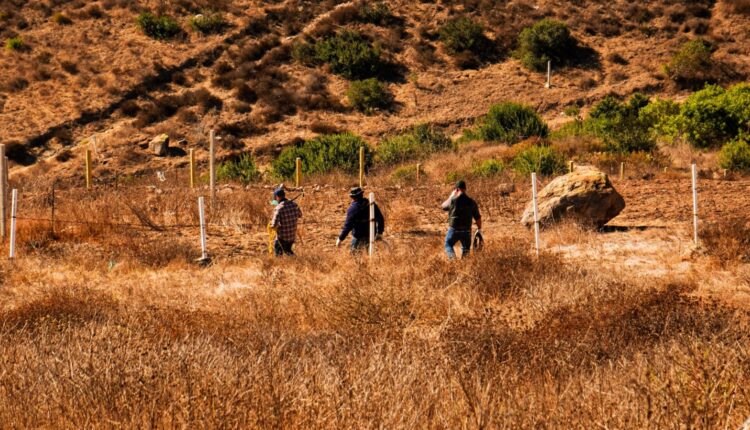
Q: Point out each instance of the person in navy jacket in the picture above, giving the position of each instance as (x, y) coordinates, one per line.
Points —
(358, 221)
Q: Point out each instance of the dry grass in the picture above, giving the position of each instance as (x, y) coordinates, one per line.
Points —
(502, 340)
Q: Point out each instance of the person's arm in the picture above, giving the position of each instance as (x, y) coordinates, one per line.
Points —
(349, 223)
(379, 220)
(275, 218)
(477, 216)
(447, 204)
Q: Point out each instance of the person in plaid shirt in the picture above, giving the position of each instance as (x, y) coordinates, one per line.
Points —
(285, 218)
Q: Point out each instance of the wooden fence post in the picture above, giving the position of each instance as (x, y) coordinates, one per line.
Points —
(88, 169)
(419, 171)
(202, 216)
(13, 211)
(3, 195)
(536, 212)
(695, 202)
(371, 251)
(192, 169)
(622, 170)
(549, 75)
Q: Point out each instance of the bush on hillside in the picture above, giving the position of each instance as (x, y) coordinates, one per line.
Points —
(713, 116)
(243, 169)
(323, 154)
(368, 95)
(420, 142)
(542, 159)
(509, 123)
(547, 40)
(61, 19)
(735, 155)
(375, 13)
(462, 35)
(349, 55)
(208, 23)
(405, 174)
(15, 44)
(158, 27)
(692, 64)
(488, 168)
(621, 126)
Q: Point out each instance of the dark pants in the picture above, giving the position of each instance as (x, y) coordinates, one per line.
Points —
(454, 237)
(359, 245)
(282, 247)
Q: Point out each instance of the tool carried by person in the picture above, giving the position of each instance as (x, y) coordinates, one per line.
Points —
(478, 241)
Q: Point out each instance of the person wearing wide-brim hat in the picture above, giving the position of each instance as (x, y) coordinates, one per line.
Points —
(285, 218)
(462, 210)
(358, 221)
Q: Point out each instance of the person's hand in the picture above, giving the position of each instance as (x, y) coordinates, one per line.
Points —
(338, 242)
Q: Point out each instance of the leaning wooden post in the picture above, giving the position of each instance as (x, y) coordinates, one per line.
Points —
(419, 171)
(536, 212)
(88, 169)
(3, 195)
(202, 216)
(622, 171)
(695, 202)
(571, 166)
(549, 75)
(192, 169)
(13, 210)
(371, 250)
(212, 167)
(361, 166)
(298, 172)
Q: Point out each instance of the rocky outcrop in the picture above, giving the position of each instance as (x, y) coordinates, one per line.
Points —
(160, 145)
(585, 195)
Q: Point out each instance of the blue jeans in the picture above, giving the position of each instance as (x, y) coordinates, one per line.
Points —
(454, 237)
(359, 245)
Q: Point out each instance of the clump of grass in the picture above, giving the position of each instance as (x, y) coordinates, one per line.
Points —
(243, 169)
(323, 154)
(15, 44)
(158, 27)
(60, 18)
(208, 23)
(418, 143)
(542, 159)
(508, 123)
(368, 95)
(488, 168)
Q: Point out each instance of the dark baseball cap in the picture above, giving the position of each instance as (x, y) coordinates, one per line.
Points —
(461, 185)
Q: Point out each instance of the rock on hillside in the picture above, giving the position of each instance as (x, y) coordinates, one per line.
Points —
(585, 195)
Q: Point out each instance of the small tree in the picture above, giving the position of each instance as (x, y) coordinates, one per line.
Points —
(509, 123)
(735, 155)
(368, 95)
(547, 40)
(349, 55)
(462, 35)
(692, 64)
(621, 125)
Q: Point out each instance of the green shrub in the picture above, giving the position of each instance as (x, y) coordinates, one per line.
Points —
(15, 44)
(621, 126)
(208, 23)
(510, 123)
(543, 160)
(323, 154)
(243, 169)
(713, 116)
(547, 40)
(405, 174)
(61, 19)
(420, 142)
(377, 13)
(692, 63)
(368, 95)
(304, 53)
(462, 35)
(735, 155)
(349, 55)
(158, 27)
(488, 168)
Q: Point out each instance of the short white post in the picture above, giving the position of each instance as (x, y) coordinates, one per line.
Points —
(202, 215)
(372, 224)
(3, 195)
(13, 210)
(695, 203)
(549, 75)
(212, 167)
(536, 212)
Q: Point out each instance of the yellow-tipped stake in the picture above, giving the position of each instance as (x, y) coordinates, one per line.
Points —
(298, 173)
(419, 169)
(88, 169)
(622, 170)
(361, 166)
